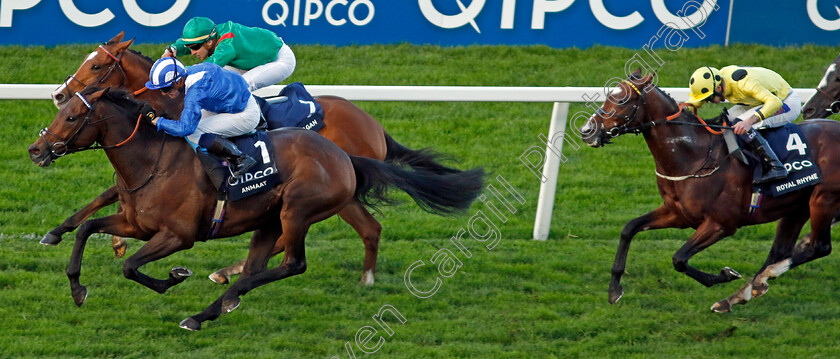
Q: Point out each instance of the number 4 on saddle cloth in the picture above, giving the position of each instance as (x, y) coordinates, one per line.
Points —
(788, 143)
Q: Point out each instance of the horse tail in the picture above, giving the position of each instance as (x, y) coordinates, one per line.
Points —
(436, 193)
(424, 159)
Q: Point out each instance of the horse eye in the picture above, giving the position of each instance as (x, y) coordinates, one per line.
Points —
(96, 67)
(71, 119)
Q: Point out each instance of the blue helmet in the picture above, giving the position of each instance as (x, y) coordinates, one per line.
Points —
(165, 72)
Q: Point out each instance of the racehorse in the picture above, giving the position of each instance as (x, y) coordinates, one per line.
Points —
(705, 189)
(170, 199)
(346, 125)
(825, 100)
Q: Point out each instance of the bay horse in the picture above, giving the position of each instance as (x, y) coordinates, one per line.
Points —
(346, 125)
(825, 101)
(705, 189)
(170, 201)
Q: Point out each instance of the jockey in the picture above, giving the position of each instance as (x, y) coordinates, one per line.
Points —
(763, 100)
(217, 105)
(258, 54)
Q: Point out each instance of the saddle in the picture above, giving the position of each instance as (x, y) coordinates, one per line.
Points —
(292, 107)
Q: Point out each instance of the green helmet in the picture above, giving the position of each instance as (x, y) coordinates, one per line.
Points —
(198, 30)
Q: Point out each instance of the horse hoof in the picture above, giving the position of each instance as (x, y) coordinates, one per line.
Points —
(759, 289)
(180, 273)
(367, 279)
(50, 240)
(220, 278)
(119, 245)
(80, 295)
(229, 305)
(721, 307)
(616, 295)
(730, 274)
(190, 324)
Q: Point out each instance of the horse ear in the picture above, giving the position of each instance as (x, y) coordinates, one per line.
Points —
(96, 95)
(117, 38)
(122, 46)
(649, 77)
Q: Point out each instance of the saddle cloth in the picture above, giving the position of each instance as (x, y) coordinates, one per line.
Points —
(788, 143)
(262, 176)
(292, 107)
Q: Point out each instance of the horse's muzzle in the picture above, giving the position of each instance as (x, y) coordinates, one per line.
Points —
(40, 156)
(593, 134)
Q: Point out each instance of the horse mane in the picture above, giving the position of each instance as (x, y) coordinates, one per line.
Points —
(138, 53)
(120, 97)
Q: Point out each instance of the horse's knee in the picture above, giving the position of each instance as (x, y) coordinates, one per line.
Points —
(298, 267)
(680, 263)
(129, 270)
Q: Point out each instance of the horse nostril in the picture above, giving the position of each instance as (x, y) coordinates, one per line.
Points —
(59, 96)
(34, 151)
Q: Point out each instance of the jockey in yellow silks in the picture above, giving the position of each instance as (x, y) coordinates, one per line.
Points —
(762, 98)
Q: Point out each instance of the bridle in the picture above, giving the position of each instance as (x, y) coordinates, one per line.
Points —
(117, 64)
(642, 126)
(628, 119)
(63, 146)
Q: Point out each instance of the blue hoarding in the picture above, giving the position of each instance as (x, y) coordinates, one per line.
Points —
(556, 23)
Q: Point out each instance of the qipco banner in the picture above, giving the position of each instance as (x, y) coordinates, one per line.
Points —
(556, 23)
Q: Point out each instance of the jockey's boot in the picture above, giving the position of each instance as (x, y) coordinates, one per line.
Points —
(773, 168)
(223, 147)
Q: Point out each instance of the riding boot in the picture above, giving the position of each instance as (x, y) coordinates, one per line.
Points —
(773, 168)
(223, 147)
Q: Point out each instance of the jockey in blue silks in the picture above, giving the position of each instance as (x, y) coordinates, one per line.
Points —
(217, 105)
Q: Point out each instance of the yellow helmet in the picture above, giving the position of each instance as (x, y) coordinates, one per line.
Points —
(703, 83)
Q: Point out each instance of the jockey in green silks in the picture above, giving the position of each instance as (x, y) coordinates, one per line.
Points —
(259, 55)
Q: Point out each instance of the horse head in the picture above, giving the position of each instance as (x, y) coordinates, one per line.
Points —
(83, 121)
(825, 101)
(97, 69)
(624, 111)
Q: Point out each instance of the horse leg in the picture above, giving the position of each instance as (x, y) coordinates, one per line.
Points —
(708, 233)
(370, 230)
(358, 217)
(656, 219)
(162, 244)
(222, 276)
(106, 198)
(115, 224)
(294, 263)
(787, 231)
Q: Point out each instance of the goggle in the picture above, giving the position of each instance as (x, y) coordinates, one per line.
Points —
(196, 46)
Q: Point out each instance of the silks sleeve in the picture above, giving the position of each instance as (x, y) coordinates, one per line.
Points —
(189, 117)
(772, 103)
(225, 52)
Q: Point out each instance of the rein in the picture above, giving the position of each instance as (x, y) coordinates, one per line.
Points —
(615, 131)
(151, 175)
(65, 143)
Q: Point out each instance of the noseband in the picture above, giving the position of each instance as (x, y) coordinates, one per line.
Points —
(61, 147)
(116, 64)
(628, 119)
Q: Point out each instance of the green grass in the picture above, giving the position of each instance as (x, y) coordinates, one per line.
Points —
(523, 299)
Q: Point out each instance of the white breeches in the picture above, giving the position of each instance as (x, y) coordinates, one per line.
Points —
(228, 124)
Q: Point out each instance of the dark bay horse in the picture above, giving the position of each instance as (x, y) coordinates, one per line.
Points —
(704, 189)
(825, 100)
(347, 125)
(171, 199)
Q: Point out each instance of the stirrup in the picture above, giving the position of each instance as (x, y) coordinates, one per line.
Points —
(774, 173)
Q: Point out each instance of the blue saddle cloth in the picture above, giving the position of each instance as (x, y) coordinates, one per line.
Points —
(788, 143)
(263, 176)
(299, 109)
